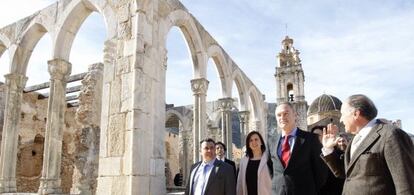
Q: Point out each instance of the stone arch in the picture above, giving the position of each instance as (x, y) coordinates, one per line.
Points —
(171, 112)
(184, 21)
(241, 88)
(25, 48)
(184, 160)
(289, 90)
(256, 110)
(216, 53)
(72, 19)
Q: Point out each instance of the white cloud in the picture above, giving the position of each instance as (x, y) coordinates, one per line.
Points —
(11, 11)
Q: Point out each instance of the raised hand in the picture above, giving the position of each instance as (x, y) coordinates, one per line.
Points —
(329, 136)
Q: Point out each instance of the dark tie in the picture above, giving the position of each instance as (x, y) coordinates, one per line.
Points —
(285, 151)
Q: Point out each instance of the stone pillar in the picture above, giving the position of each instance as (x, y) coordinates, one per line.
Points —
(244, 126)
(185, 162)
(50, 181)
(256, 126)
(199, 88)
(225, 105)
(14, 92)
(87, 138)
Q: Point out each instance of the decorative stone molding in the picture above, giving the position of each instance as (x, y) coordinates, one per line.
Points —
(225, 104)
(199, 86)
(59, 69)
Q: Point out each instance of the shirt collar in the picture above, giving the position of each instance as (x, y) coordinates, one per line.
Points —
(222, 159)
(292, 133)
(211, 162)
(367, 128)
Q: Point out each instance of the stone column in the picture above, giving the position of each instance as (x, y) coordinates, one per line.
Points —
(256, 126)
(199, 88)
(244, 126)
(14, 92)
(225, 105)
(185, 163)
(50, 181)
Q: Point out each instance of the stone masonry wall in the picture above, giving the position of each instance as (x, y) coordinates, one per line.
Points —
(31, 139)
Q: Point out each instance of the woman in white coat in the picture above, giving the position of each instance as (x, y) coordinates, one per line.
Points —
(256, 169)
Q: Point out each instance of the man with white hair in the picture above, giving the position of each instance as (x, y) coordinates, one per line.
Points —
(378, 161)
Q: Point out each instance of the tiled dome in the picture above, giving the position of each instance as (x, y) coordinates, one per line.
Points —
(324, 103)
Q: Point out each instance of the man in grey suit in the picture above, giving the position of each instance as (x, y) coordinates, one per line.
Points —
(380, 158)
(210, 176)
(297, 167)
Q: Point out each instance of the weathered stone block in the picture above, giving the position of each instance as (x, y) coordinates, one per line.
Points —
(123, 65)
(116, 135)
(126, 94)
(115, 101)
(110, 166)
(119, 186)
(124, 30)
(129, 47)
(104, 184)
(141, 150)
(140, 185)
(123, 13)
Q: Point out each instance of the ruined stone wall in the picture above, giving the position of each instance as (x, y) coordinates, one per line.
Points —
(2, 105)
(172, 163)
(31, 139)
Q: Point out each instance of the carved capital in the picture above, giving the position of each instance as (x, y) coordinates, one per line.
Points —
(199, 86)
(15, 82)
(225, 104)
(59, 69)
(244, 116)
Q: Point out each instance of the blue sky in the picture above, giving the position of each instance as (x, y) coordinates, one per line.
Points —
(347, 47)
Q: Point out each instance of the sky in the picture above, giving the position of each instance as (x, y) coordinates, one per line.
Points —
(347, 47)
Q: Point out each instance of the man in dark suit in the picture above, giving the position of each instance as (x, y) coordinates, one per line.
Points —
(221, 155)
(297, 166)
(379, 160)
(210, 176)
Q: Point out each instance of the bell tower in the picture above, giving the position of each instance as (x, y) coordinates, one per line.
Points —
(290, 81)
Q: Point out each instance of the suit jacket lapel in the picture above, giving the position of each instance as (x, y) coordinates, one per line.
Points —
(274, 151)
(347, 154)
(192, 176)
(299, 140)
(213, 174)
(368, 141)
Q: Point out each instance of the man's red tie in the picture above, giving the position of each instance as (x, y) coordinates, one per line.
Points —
(285, 151)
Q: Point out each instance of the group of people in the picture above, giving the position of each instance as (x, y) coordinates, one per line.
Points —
(378, 160)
